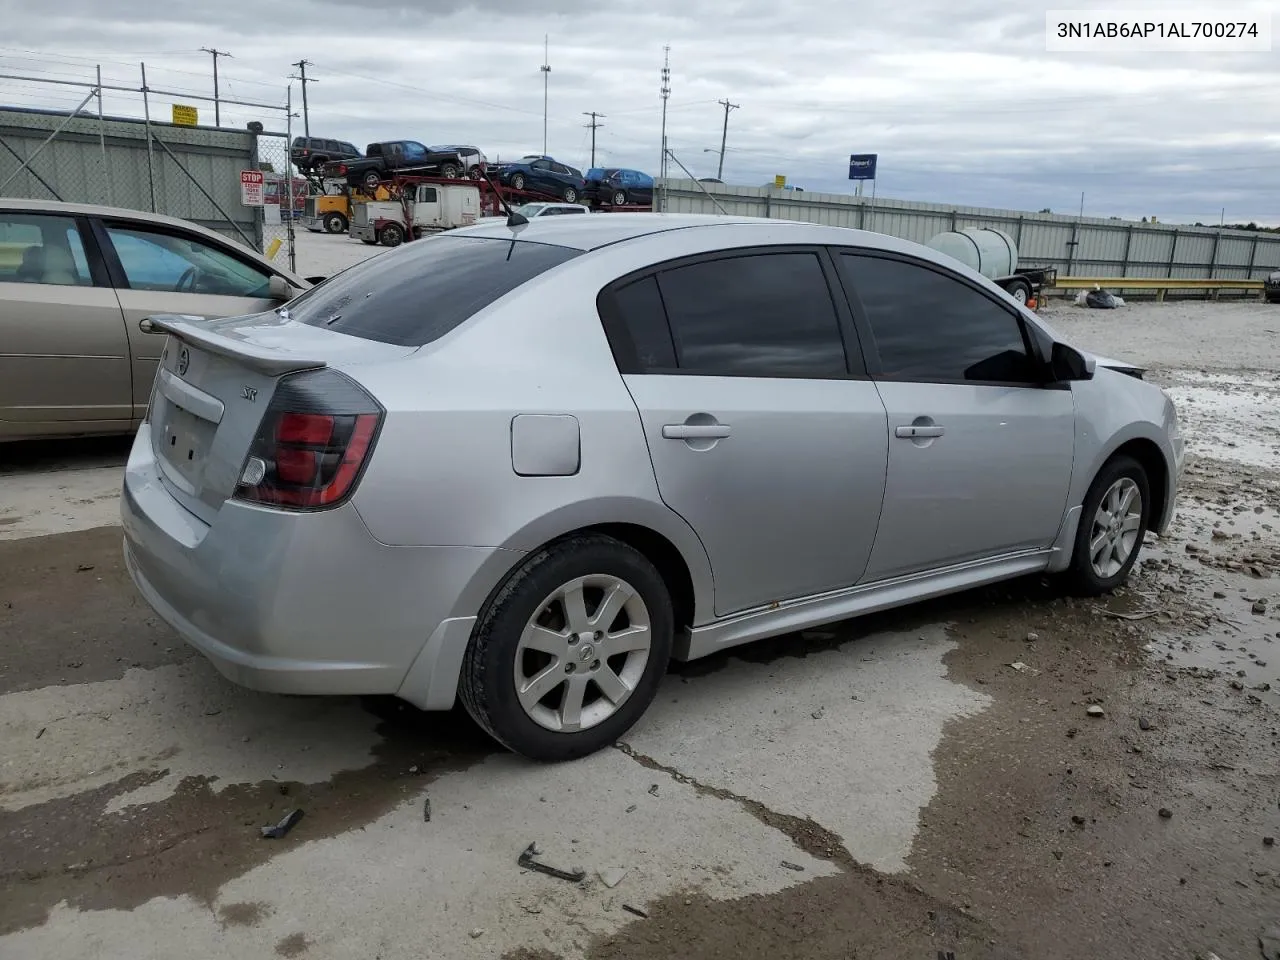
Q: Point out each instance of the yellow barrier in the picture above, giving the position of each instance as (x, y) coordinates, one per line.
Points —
(1158, 284)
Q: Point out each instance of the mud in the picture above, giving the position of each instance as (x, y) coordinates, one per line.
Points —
(69, 613)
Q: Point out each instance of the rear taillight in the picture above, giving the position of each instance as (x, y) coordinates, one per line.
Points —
(313, 444)
(342, 169)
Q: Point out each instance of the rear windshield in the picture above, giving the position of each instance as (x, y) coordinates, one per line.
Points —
(418, 293)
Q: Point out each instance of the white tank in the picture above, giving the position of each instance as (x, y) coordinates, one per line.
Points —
(991, 252)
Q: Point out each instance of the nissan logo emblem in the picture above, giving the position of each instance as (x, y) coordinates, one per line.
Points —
(184, 361)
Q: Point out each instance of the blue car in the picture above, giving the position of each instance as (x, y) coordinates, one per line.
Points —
(544, 175)
(618, 186)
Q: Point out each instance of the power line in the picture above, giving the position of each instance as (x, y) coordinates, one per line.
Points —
(217, 108)
(724, 134)
(306, 116)
(593, 126)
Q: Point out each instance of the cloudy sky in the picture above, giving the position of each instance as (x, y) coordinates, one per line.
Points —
(958, 97)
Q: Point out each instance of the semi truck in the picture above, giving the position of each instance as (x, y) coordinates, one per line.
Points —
(429, 208)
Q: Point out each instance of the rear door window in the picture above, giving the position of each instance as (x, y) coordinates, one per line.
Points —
(422, 291)
(761, 315)
(42, 249)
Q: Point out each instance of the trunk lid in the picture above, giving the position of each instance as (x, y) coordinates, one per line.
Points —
(214, 385)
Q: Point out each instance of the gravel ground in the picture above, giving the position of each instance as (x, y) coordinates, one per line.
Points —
(910, 785)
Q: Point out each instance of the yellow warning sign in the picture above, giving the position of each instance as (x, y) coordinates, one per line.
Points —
(185, 116)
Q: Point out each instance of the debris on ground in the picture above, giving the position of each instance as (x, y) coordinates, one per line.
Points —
(477, 933)
(1268, 841)
(818, 714)
(526, 861)
(41, 733)
(281, 829)
(1072, 731)
(1023, 668)
(793, 866)
(1166, 813)
(653, 790)
(611, 876)
(1095, 711)
(631, 809)
(1259, 607)
(84, 568)
(636, 910)
(1144, 723)
(426, 810)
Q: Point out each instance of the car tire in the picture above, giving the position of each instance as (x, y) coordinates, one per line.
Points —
(517, 181)
(370, 181)
(1020, 290)
(528, 613)
(1105, 551)
(450, 171)
(335, 223)
(619, 198)
(570, 194)
(392, 235)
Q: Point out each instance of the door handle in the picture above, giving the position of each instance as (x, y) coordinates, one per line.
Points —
(695, 431)
(918, 433)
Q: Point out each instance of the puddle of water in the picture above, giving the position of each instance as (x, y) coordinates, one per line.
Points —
(1229, 418)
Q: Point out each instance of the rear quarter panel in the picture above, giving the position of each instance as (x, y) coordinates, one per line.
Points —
(442, 471)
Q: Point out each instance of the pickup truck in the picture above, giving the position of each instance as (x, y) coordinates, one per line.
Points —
(383, 160)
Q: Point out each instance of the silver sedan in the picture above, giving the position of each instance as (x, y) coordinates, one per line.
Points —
(529, 466)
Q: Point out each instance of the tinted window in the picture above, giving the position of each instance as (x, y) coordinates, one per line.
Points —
(638, 306)
(763, 315)
(40, 249)
(419, 292)
(928, 326)
(414, 151)
(176, 263)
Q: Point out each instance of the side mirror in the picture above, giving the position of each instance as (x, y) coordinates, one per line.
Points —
(278, 288)
(1068, 363)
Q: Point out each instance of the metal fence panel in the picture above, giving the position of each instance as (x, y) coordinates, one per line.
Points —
(1084, 245)
(188, 172)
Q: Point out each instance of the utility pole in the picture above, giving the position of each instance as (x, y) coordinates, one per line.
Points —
(665, 90)
(724, 134)
(593, 126)
(302, 75)
(217, 109)
(546, 76)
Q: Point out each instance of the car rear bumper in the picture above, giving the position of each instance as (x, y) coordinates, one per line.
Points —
(299, 603)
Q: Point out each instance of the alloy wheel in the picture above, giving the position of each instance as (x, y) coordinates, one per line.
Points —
(583, 653)
(1117, 528)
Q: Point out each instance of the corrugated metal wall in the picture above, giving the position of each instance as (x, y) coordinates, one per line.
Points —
(1077, 247)
(79, 170)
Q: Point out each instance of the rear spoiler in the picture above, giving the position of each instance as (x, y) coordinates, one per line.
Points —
(194, 330)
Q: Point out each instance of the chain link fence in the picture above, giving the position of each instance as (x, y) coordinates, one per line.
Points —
(135, 160)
